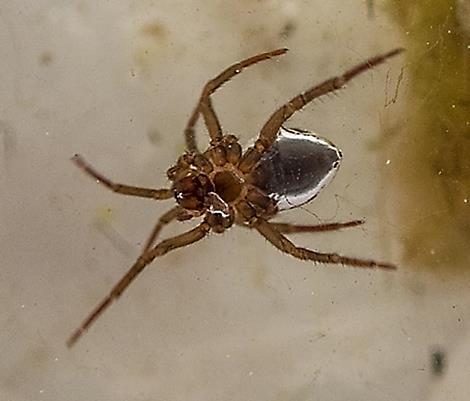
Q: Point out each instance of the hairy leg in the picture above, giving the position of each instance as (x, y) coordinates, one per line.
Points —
(145, 259)
(270, 129)
(204, 104)
(163, 220)
(175, 213)
(281, 242)
(158, 194)
(287, 228)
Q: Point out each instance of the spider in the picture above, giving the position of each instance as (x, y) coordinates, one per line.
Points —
(227, 185)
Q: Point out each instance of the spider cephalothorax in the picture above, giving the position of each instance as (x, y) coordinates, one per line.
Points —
(225, 185)
(216, 182)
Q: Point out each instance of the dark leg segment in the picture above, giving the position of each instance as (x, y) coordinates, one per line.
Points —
(282, 243)
(162, 248)
(269, 131)
(205, 107)
(286, 228)
(158, 194)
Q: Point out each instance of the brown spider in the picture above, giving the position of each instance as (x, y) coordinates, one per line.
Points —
(226, 185)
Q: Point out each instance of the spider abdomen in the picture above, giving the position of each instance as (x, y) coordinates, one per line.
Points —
(296, 167)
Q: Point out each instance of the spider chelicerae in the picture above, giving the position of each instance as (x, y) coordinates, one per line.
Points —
(226, 185)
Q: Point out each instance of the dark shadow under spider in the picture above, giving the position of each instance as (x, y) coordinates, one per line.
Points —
(218, 186)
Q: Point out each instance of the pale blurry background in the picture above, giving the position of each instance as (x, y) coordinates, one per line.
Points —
(229, 318)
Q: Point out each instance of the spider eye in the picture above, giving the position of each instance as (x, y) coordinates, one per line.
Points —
(190, 192)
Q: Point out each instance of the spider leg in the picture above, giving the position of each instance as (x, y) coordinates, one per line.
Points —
(187, 238)
(204, 104)
(270, 129)
(158, 194)
(176, 212)
(287, 228)
(276, 238)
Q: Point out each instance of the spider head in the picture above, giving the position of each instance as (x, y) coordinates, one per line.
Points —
(196, 192)
(191, 182)
(191, 191)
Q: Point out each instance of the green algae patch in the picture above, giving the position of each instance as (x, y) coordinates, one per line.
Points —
(433, 148)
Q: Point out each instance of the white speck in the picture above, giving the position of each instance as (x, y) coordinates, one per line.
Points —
(388, 162)
(56, 359)
(23, 306)
(453, 106)
(250, 373)
(427, 43)
(449, 31)
(41, 391)
(227, 356)
(237, 71)
(313, 293)
(465, 200)
(432, 252)
(407, 32)
(439, 172)
(46, 133)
